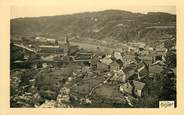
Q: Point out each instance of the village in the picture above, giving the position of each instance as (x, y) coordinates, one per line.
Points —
(48, 73)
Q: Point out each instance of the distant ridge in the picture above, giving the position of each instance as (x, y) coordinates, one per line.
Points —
(118, 25)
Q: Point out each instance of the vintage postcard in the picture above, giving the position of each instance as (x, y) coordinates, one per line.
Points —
(95, 57)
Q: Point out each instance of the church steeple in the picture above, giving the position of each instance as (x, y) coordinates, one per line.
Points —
(67, 45)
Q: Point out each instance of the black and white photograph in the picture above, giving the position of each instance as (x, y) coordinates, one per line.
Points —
(110, 57)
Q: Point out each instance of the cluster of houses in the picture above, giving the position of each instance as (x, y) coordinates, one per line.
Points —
(127, 67)
(123, 71)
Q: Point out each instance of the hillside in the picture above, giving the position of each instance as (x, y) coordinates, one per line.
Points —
(103, 25)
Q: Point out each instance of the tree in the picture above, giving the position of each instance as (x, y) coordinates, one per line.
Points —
(168, 90)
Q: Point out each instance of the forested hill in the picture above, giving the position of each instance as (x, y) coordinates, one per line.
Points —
(109, 24)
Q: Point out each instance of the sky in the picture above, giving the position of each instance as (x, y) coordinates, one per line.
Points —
(37, 10)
